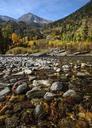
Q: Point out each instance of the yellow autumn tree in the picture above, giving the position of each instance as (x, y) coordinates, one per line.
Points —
(15, 38)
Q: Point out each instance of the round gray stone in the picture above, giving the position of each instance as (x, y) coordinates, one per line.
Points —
(22, 88)
(57, 86)
(70, 93)
(49, 96)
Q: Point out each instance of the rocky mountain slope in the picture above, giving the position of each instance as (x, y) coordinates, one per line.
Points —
(30, 18)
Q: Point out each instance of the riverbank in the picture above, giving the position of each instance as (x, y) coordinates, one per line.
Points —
(45, 92)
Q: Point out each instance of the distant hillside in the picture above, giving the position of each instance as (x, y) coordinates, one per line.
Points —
(77, 26)
(6, 18)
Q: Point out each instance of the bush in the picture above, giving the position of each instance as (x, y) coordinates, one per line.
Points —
(55, 43)
(21, 50)
(71, 46)
(17, 50)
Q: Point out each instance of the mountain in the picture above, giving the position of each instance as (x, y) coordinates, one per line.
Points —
(27, 25)
(77, 26)
(6, 18)
(32, 19)
(29, 19)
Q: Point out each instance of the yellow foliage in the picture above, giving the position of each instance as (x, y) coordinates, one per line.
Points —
(72, 46)
(84, 45)
(15, 38)
(85, 115)
(55, 43)
(31, 43)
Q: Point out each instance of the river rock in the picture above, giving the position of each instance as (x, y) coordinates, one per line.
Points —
(83, 65)
(31, 78)
(36, 83)
(49, 96)
(2, 85)
(70, 93)
(40, 113)
(77, 67)
(4, 91)
(2, 98)
(19, 73)
(28, 71)
(46, 83)
(13, 80)
(57, 86)
(66, 68)
(35, 89)
(21, 88)
(82, 74)
(35, 94)
(38, 110)
(57, 69)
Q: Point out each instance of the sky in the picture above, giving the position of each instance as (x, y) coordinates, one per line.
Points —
(48, 9)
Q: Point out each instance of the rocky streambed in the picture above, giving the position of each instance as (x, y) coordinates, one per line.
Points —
(45, 92)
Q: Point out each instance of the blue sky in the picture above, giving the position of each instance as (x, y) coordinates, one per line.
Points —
(48, 9)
